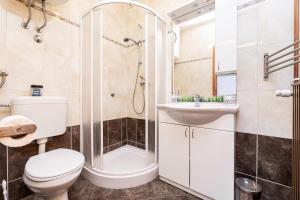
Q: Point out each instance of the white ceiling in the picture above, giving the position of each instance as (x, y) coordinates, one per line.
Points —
(191, 10)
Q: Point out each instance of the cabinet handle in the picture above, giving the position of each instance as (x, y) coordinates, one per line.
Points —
(185, 132)
(192, 133)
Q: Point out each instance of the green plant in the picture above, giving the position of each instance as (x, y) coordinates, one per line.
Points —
(202, 99)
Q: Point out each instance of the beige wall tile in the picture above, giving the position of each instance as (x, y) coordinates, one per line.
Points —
(274, 115)
(273, 31)
(247, 115)
(53, 63)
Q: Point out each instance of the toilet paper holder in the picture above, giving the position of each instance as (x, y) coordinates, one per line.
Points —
(17, 130)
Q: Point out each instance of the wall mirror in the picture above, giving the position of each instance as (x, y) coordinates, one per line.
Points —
(193, 48)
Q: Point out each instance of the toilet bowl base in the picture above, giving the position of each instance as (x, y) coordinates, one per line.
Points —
(56, 189)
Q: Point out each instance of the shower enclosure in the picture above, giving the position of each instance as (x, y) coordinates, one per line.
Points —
(123, 51)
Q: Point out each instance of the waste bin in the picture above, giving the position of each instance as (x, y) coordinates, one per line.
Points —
(247, 189)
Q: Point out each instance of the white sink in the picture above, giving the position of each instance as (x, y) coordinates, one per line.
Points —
(187, 113)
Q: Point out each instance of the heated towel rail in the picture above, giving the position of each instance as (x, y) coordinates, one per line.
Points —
(296, 140)
(280, 59)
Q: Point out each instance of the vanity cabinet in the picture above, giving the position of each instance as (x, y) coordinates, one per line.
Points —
(199, 160)
(174, 153)
(212, 163)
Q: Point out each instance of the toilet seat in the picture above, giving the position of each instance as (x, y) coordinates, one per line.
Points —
(53, 165)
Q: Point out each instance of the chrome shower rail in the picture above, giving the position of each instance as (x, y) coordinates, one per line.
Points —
(270, 66)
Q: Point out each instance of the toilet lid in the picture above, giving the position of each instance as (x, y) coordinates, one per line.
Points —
(52, 164)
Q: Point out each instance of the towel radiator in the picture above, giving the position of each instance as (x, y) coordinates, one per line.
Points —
(296, 139)
(281, 59)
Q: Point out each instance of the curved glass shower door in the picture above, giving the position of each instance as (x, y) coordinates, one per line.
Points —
(123, 78)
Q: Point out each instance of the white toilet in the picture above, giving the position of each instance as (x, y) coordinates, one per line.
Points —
(49, 174)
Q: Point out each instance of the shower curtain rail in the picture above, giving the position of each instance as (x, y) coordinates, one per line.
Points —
(269, 69)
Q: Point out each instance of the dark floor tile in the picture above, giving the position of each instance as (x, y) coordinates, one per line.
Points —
(160, 189)
(141, 192)
(76, 138)
(3, 164)
(131, 129)
(61, 141)
(124, 129)
(275, 159)
(83, 189)
(245, 153)
(140, 131)
(17, 158)
(18, 190)
(105, 134)
(114, 131)
(272, 191)
(187, 197)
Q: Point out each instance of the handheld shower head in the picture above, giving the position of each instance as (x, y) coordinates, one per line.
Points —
(132, 40)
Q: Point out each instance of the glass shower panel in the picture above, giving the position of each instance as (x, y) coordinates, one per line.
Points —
(97, 88)
(87, 86)
(161, 62)
(119, 65)
(150, 36)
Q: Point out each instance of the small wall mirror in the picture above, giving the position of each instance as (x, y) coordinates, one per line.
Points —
(193, 49)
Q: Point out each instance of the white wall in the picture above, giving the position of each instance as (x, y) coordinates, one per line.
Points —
(264, 28)
(53, 63)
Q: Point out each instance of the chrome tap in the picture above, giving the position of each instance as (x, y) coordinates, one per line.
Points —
(197, 100)
(3, 75)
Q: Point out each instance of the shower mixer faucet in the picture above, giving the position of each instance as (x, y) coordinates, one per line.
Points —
(142, 81)
(3, 75)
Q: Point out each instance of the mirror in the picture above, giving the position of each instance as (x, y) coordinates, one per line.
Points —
(193, 50)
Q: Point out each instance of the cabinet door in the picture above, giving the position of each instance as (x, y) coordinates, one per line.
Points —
(212, 163)
(226, 34)
(174, 153)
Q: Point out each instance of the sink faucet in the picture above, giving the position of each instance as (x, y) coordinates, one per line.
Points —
(197, 100)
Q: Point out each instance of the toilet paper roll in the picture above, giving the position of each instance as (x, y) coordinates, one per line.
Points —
(15, 120)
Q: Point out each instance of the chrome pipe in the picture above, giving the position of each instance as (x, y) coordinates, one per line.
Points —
(26, 23)
(39, 29)
(285, 48)
(285, 66)
(286, 54)
(282, 62)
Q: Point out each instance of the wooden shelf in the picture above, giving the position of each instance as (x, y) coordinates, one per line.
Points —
(18, 130)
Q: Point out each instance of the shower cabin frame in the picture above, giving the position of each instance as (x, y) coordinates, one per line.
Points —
(91, 168)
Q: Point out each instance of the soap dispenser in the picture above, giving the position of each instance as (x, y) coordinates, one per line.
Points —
(175, 97)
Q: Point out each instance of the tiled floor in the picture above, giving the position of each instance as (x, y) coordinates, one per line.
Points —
(84, 190)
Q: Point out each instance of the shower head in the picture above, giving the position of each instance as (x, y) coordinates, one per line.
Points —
(132, 40)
